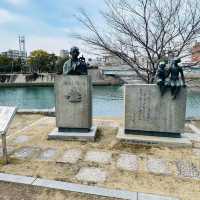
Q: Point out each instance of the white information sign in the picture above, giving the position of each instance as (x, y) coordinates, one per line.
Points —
(6, 116)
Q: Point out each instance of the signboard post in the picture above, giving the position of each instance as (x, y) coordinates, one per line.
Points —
(6, 116)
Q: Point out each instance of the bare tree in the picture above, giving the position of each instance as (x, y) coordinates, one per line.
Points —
(141, 32)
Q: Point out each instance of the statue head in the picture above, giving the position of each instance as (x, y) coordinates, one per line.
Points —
(176, 60)
(162, 65)
(74, 52)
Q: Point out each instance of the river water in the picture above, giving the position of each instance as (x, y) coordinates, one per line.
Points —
(107, 100)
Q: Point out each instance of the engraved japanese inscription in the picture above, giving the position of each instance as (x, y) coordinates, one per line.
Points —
(146, 110)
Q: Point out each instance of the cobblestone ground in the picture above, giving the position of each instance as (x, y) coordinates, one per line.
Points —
(100, 162)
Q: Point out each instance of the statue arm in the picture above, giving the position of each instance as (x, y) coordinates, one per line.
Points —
(167, 72)
(67, 67)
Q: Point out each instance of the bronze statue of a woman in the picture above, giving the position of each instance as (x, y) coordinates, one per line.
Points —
(176, 77)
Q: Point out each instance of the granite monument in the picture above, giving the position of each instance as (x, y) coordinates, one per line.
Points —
(73, 97)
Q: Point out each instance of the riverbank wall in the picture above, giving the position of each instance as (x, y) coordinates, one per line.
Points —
(47, 79)
(98, 78)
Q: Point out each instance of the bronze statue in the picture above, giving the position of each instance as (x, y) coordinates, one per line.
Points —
(161, 76)
(75, 65)
(175, 76)
(176, 81)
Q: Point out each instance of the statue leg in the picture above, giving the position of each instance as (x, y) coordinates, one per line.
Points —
(162, 89)
(177, 90)
(173, 91)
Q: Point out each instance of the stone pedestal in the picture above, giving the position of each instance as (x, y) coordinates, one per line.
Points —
(147, 113)
(73, 96)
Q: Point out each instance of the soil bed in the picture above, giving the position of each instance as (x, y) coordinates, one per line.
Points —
(140, 180)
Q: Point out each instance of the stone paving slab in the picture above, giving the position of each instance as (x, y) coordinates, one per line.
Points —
(16, 179)
(47, 154)
(91, 175)
(98, 156)
(21, 139)
(157, 166)
(26, 152)
(187, 169)
(71, 156)
(196, 152)
(143, 196)
(128, 162)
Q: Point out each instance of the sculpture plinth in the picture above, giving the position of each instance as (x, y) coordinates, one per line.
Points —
(146, 110)
(150, 115)
(73, 105)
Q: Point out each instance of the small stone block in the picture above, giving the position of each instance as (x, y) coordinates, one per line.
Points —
(21, 139)
(196, 152)
(47, 154)
(71, 156)
(143, 196)
(187, 169)
(157, 166)
(153, 140)
(25, 152)
(78, 136)
(16, 178)
(98, 156)
(128, 162)
(91, 175)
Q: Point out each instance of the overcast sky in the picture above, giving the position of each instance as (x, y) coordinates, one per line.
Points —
(46, 24)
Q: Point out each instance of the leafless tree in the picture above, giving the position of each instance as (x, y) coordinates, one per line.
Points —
(142, 32)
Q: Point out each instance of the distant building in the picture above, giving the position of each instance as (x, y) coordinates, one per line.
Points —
(64, 53)
(112, 60)
(15, 54)
(196, 52)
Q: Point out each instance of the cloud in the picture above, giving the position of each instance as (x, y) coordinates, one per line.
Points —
(53, 44)
(6, 16)
(17, 2)
(46, 24)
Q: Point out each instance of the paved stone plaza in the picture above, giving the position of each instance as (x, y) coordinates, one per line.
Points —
(104, 163)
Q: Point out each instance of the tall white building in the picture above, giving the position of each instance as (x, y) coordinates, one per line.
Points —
(64, 53)
(15, 54)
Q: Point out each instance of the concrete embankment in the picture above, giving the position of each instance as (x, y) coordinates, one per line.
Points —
(98, 78)
(47, 79)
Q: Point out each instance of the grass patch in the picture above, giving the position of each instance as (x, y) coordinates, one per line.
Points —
(11, 160)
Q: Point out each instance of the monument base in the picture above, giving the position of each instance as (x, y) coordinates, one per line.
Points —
(153, 133)
(153, 140)
(74, 135)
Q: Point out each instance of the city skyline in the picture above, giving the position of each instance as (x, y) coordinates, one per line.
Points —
(46, 24)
